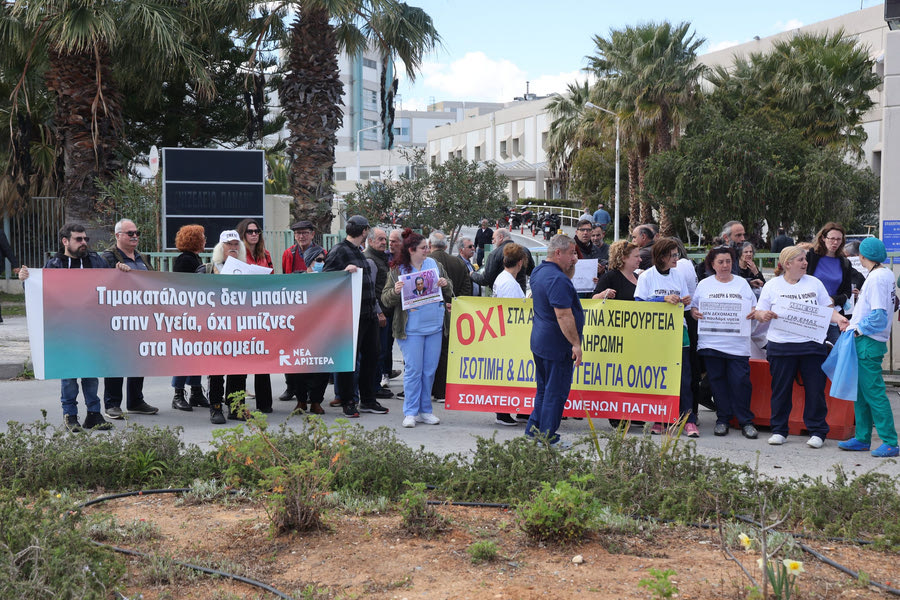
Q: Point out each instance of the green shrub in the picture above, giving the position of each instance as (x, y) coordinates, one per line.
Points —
(560, 513)
(483, 551)
(418, 517)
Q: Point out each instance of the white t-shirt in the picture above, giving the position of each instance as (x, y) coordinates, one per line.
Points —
(736, 289)
(653, 285)
(506, 286)
(878, 291)
(809, 290)
(689, 272)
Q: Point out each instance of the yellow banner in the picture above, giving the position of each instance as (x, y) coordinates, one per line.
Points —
(631, 367)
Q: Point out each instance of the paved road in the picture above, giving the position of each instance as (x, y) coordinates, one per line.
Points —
(23, 401)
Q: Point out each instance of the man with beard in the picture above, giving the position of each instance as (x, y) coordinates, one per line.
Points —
(125, 251)
(376, 246)
(584, 246)
(555, 337)
(75, 255)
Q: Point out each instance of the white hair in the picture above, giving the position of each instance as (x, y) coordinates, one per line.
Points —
(120, 223)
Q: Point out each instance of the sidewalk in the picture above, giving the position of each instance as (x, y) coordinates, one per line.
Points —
(15, 354)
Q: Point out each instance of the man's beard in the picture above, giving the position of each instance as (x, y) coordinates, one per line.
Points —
(80, 252)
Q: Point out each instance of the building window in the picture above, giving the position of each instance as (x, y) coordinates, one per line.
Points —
(370, 99)
(544, 137)
(515, 147)
(371, 173)
(503, 149)
(401, 131)
(370, 134)
(477, 153)
(368, 62)
(340, 174)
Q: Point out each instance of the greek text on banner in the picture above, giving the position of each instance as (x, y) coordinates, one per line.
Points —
(631, 368)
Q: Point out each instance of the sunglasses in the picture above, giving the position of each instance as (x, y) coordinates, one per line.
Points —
(82, 238)
(134, 233)
(253, 232)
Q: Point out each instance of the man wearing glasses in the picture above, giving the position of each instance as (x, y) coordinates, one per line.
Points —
(75, 255)
(125, 252)
(466, 252)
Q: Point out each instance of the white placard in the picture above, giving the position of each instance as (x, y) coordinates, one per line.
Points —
(724, 317)
(585, 274)
(233, 266)
(801, 320)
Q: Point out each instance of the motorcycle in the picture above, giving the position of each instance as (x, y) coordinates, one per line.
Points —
(549, 224)
(511, 219)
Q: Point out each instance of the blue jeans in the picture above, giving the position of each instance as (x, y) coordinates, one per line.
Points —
(729, 379)
(179, 381)
(554, 380)
(421, 354)
(69, 395)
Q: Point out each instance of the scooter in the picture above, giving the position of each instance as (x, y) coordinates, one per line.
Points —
(550, 224)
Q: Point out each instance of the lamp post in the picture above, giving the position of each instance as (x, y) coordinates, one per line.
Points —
(359, 147)
(600, 108)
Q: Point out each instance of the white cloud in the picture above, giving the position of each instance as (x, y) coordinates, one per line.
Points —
(787, 26)
(722, 46)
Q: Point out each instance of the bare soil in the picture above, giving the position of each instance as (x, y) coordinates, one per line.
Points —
(373, 557)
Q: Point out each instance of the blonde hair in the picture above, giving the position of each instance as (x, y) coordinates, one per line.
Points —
(618, 252)
(787, 255)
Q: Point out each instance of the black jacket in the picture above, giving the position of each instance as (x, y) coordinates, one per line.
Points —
(844, 290)
(493, 266)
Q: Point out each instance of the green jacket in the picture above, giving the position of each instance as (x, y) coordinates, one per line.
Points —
(391, 298)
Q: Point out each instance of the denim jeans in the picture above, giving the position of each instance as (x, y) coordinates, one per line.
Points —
(69, 395)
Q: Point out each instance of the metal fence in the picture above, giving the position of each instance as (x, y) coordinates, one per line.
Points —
(33, 232)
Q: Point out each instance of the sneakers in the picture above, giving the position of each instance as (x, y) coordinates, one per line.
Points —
(350, 411)
(658, 429)
(749, 431)
(721, 429)
(815, 441)
(854, 445)
(384, 393)
(143, 409)
(885, 451)
(396, 373)
(691, 430)
(114, 412)
(372, 407)
(409, 421)
(385, 380)
(440, 400)
(71, 423)
(777, 439)
(216, 416)
(505, 419)
(197, 398)
(561, 445)
(287, 395)
(427, 418)
(95, 421)
(178, 401)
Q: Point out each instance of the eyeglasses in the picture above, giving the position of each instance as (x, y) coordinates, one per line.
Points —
(674, 254)
(134, 233)
(253, 232)
(835, 239)
(582, 229)
(82, 238)
(303, 232)
(469, 247)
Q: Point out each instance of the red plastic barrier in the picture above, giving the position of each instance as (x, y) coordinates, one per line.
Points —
(841, 419)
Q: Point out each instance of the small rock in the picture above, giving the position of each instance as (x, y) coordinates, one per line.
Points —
(578, 559)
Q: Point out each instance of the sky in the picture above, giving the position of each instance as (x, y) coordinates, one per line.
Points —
(492, 47)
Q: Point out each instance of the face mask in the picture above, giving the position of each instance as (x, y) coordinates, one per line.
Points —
(318, 266)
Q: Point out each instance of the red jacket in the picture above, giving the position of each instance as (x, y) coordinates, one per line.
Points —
(265, 262)
(292, 261)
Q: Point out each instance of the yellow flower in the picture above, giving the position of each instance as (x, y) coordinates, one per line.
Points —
(793, 566)
(746, 542)
(59, 495)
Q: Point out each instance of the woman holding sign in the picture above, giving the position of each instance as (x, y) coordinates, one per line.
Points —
(871, 323)
(506, 286)
(663, 283)
(418, 328)
(794, 346)
(721, 305)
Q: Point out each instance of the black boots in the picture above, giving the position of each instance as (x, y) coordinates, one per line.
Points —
(178, 402)
(216, 416)
(197, 398)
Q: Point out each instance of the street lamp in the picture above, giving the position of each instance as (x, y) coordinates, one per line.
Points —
(359, 147)
(600, 108)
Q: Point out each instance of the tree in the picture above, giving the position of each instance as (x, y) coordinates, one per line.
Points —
(447, 197)
(81, 39)
(566, 128)
(593, 175)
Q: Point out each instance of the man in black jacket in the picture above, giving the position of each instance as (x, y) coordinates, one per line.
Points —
(376, 251)
(493, 266)
(347, 256)
(483, 236)
(458, 274)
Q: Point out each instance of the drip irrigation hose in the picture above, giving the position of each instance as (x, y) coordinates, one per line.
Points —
(202, 569)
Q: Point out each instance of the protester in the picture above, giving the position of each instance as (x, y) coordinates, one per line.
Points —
(643, 236)
(555, 338)
(871, 324)
(252, 235)
(597, 235)
(376, 251)
(781, 241)
(789, 355)
(75, 255)
(293, 260)
(494, 264)
(619, 280)
(748, 268)
(726, 355)
(663, 283)
(418, 330)
(458, 275)
(191, 240)
(483, 237)
(601, 216)
(125, 251)
(828, 264)
(506, 286)
(347, 256)
(466, 252)
(231, 389)
(6, 253)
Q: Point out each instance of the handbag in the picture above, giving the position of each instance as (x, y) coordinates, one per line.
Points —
(842, 367)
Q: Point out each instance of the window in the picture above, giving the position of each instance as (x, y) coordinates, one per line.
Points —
(503, 149)
(515, 147)
(401, 131)
(370, 134)
(340, 174)
(477, 153)
(368, 62)
(369, 173)
(370, 99)
(544, 137)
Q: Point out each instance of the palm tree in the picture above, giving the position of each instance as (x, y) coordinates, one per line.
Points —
(566, 134)
(80, 40)
(399, 32)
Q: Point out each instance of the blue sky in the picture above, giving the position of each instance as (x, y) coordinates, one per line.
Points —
(491, 48)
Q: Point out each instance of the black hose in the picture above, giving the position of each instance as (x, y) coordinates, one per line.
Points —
(202, 569)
